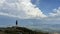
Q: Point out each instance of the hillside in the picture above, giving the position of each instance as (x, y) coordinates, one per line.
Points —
(18, 30)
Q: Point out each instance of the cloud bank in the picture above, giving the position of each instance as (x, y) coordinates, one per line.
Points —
(20, 9)
(56, 12)
(25, 9)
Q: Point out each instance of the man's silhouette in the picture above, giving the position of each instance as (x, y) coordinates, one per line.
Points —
(16, 22)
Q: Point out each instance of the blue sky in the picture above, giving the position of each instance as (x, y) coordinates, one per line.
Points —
(47, 5)
(46, 11)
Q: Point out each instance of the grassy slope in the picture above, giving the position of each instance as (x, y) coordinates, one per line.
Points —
(13, 30)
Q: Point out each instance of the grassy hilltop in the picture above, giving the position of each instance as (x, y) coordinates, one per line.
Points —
(18, 30)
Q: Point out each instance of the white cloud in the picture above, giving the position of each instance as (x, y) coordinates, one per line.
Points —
(6, 14)
(21, 8)
(56, 13)
(53, 17)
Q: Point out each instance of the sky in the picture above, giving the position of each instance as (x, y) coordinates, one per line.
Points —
(47, 6)
(45, 10)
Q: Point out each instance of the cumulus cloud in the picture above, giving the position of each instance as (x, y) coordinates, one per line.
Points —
(56, 12)
(20, 9)
(54, 16)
